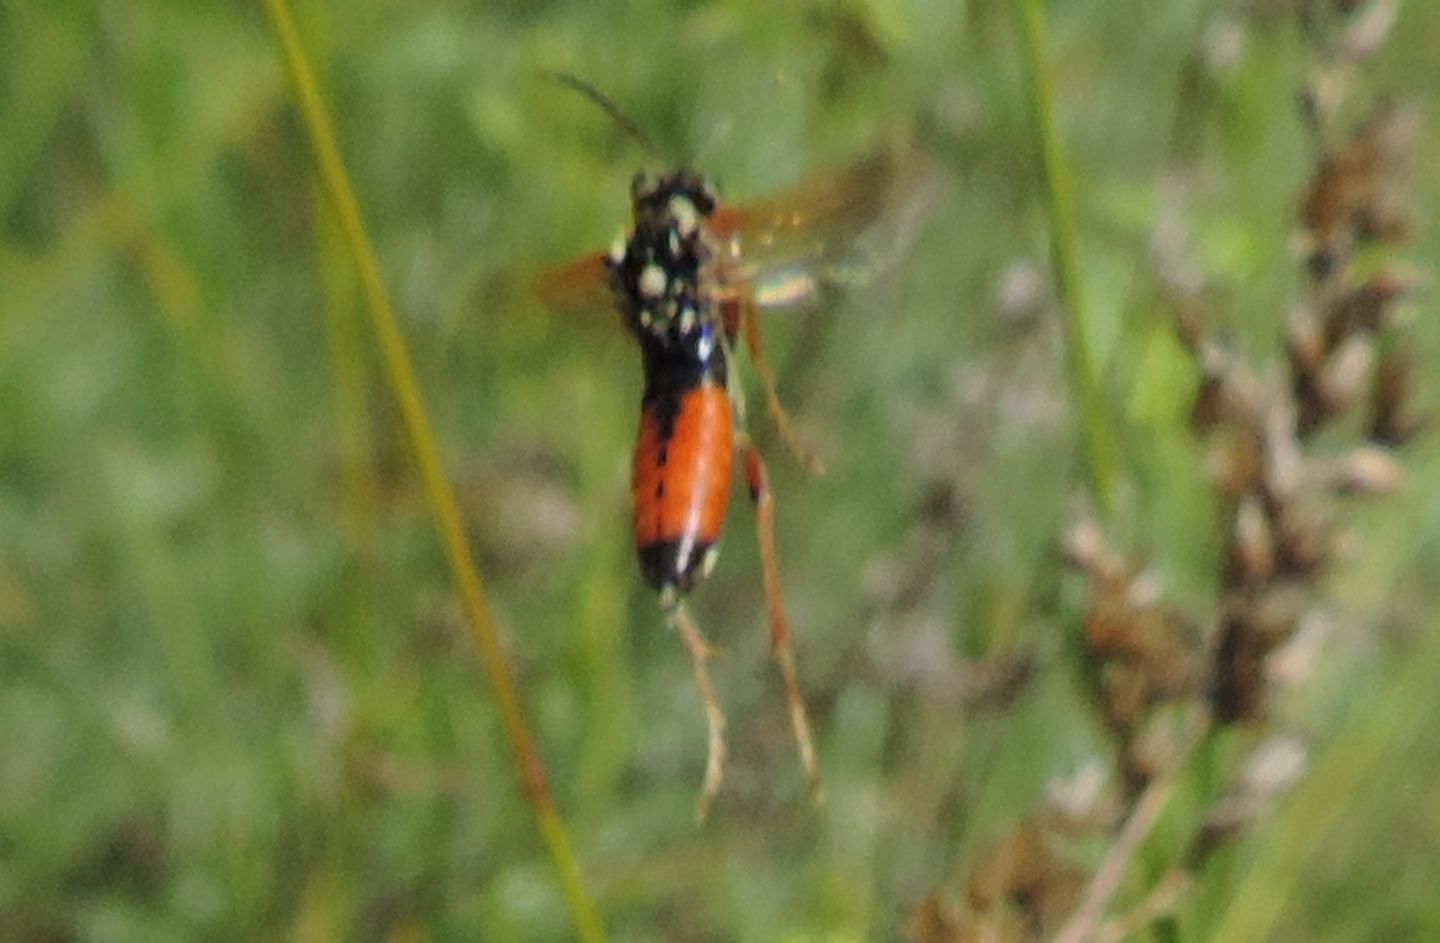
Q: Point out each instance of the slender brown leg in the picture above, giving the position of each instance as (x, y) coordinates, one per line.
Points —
(700, 652)
(750, 328)
(779, 627)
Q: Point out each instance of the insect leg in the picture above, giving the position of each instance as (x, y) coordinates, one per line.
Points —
(750, 328)
(700, 653)
(759, 484)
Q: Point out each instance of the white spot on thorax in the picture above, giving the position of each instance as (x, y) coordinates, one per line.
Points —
(652, 281)
(683, 211)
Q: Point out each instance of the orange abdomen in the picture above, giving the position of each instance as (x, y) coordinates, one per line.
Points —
(680, 484)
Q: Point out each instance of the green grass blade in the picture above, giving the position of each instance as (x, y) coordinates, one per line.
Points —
(1350, 784)
(1084, 386)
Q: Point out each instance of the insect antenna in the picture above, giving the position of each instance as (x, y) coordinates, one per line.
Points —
(622, 121)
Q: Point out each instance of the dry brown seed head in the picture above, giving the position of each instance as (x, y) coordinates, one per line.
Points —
(1367, 470)
(1345, 377)
(1251, 557)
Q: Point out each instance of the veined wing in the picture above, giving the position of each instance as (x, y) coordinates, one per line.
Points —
(580, 285)
(832, 231)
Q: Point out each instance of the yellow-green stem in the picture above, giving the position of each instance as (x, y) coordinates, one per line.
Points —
(1084, 386)
(437, 489)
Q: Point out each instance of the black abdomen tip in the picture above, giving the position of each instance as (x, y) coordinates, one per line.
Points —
(673, 563)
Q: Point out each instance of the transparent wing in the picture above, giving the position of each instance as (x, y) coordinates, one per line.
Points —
(829, 233)
(834, 231)
(580, 286)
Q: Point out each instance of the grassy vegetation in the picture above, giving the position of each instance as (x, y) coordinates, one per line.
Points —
(237, 697)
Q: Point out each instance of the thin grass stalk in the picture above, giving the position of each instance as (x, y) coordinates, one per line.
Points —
(344, 342)
(358, 488)
(1085, 922)
(437, 490)
(1084, 386)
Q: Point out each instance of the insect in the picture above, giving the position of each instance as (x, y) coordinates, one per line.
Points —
(688, 278)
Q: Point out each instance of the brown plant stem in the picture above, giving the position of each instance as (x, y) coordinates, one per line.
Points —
(1085, 921)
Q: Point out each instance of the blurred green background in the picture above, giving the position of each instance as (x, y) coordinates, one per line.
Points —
(236, 698)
